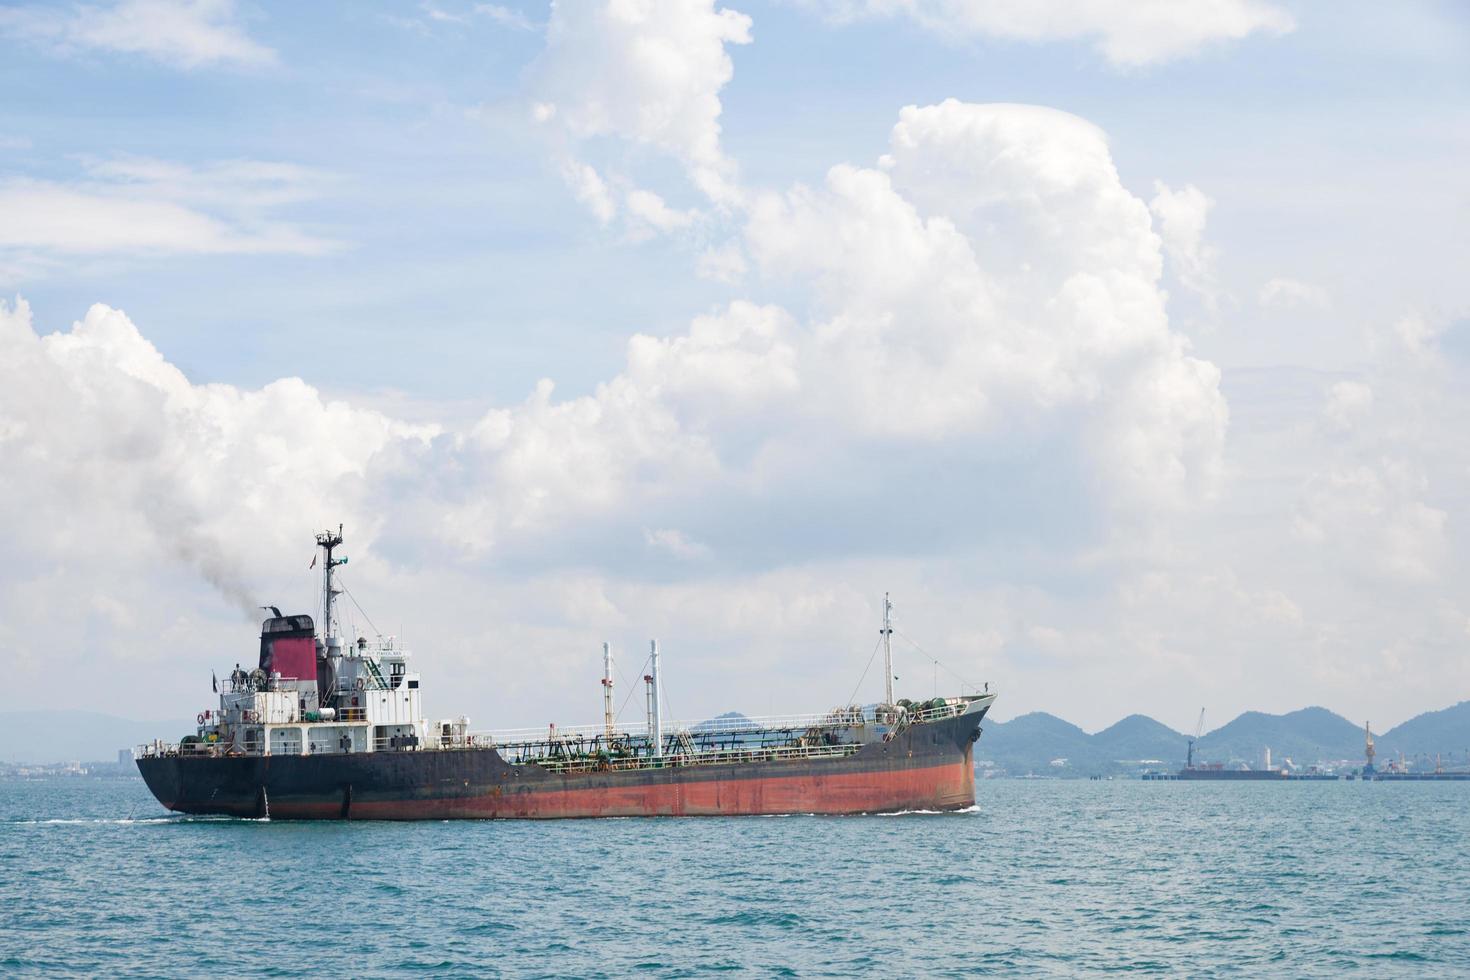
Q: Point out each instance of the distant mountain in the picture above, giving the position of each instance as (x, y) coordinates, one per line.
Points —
(1140, 737)
(1304, 736)
(1043, 744)
(1445, 732)
(1030, 743)
(727, 722)
(77, 736)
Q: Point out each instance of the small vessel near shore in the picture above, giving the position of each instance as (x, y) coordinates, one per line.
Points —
(323, 730)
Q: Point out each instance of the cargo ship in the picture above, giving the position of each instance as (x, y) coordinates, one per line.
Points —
(319, 729)
(1219, 772)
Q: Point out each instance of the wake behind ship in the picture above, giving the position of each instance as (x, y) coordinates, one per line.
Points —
(321, 731)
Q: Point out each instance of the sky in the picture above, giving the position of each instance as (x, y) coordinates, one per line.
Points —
(1124, 342)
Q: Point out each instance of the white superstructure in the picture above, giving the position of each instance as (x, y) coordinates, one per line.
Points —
(313, 695)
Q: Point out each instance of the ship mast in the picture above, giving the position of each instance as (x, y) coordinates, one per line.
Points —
(887, 632)
(328, 541)
(607, 689)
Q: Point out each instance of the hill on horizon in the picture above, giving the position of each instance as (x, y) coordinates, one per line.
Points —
(1444, 731)
(1305, 736)
(1031, 743)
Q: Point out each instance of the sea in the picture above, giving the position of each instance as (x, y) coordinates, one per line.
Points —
(1040, 878)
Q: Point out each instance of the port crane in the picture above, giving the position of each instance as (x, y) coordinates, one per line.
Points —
(1198, 729)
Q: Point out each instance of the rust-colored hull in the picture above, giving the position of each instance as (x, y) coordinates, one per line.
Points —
(927, 767)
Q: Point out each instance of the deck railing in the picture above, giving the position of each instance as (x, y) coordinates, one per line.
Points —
(837, 718)
(520, 743)
(713, 757)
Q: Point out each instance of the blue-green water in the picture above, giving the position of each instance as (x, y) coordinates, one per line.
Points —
(1042, 878)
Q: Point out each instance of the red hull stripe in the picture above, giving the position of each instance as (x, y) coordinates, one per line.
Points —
(947, 787)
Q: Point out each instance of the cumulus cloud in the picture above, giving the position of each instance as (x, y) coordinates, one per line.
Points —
(993, 277)
(589, 188)
(646, 72)
(179, 33)
(1285, 293)
(648, 213)
(1181, 216)
(1347, 402)
(673, 542)
(139, 206)
(996, 272)
(1419, 334)
(103, 436)
(1128, 33)
(505, 16)
(1374, 520)
(723, 263)
(987, 287)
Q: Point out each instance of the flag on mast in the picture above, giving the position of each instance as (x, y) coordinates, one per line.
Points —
(313, 563)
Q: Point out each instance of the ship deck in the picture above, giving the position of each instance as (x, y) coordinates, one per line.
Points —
(720, 741)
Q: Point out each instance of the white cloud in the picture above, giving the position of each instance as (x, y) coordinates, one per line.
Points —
(121, 463)
(505, 16)
(647, 211)
(551, 463)
(1292, 294)
(729, 363)
(178, 33)
(103, 434)
(589, 188)
(1419, 334)
(440, 15)
(673, 542)
(1372, 519)
(1181, 216)
(999, 275)
(724, 263)
(136, 205)
(996, 279)
(1347, 402)
(1129, 33)
(648, 72)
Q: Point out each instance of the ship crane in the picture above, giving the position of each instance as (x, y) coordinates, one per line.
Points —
(1198, 730)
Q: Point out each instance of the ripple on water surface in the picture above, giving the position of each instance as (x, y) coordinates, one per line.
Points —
(1041, 878)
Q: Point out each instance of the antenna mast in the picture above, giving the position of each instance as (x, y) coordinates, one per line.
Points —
(607, 689)
(328, 541)
(887, 632)
(656, 692)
